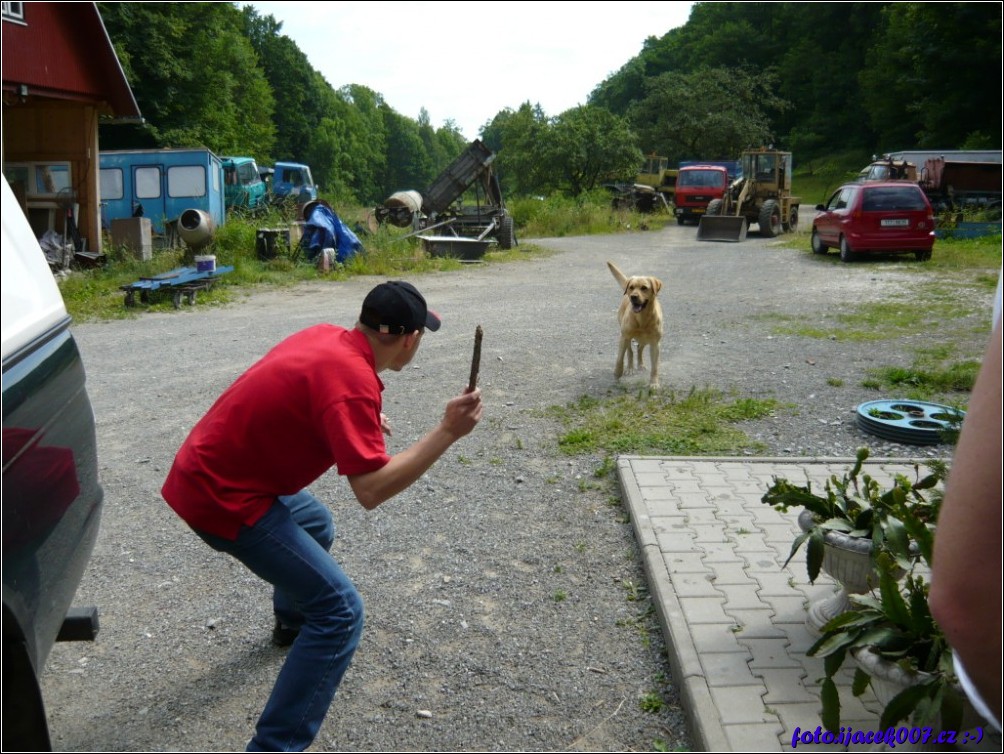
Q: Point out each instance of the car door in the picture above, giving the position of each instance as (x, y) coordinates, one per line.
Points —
(829, 222)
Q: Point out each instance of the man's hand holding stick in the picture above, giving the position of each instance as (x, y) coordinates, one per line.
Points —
(475, 360)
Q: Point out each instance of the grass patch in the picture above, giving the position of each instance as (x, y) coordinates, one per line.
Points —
(928, 309)
(652, 702)
(950, 300)
(558, 216)
(815, 180)
(698, 423)
(925, 383)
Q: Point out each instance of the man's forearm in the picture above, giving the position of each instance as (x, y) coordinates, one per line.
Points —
(402, 470)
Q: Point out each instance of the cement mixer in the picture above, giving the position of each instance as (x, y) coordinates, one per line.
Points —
(402, 209)
(441, 204)
(196, 228)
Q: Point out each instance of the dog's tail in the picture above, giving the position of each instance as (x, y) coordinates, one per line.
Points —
(620, 276)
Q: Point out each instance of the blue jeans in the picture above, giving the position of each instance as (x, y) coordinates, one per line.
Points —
(288, 547)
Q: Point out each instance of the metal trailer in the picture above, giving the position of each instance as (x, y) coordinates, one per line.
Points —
(180, 282)
(441, 205)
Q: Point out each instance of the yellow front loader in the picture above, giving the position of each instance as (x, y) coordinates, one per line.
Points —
(762, 196)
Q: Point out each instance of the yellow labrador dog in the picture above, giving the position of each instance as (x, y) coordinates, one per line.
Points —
(640, 318)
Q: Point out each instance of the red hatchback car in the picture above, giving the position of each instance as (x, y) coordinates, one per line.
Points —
(885, 217)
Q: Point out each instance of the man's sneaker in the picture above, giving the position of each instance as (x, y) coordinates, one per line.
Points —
(283, 636)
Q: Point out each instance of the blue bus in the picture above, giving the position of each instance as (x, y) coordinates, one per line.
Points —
(161, 184)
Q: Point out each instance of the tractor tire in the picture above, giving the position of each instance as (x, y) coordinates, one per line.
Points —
(770, 219)
(818, 247)
(714, 207)
(506, 235)
(846, 253)
(790, 225)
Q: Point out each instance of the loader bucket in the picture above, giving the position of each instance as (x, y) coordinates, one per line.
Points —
(722, 228)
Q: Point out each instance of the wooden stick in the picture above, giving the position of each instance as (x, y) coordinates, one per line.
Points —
(475, 360)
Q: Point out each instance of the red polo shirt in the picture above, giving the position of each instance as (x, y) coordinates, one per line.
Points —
(311, 403)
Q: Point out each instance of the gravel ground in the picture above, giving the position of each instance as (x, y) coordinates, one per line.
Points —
(506, 606)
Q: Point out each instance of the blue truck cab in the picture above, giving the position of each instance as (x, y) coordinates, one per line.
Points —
(244, 188)
(293, 179)
(161, 184)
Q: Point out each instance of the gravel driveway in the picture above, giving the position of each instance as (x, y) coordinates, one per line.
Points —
(506, 607)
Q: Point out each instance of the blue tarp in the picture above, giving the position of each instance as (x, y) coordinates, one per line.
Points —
(324, 230)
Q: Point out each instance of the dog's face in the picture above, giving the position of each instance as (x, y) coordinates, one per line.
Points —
(641, 291)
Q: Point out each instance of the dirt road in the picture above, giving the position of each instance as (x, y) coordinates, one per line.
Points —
(506, 607)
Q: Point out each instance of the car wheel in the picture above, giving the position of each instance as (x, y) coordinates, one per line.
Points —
(846, 255)
(680, 220)
(793, 219)
(923, 256)
(770, 219)
(714, 207)
(25, 725)
(818, 247)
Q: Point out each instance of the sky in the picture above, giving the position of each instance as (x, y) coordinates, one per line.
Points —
(467, 61)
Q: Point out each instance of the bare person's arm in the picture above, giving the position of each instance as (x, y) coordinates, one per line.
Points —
(965, 593)
(461, 416)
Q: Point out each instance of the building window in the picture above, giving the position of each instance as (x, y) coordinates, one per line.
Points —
(112, 186)
(13, 11)
(186, 181)
(45, 180)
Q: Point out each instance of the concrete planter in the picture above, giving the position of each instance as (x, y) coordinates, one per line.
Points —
(888, 679)
(848, 561)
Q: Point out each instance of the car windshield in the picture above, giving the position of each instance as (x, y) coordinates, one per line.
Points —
(894, 198)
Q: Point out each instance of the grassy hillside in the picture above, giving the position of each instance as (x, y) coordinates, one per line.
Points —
(814, 180)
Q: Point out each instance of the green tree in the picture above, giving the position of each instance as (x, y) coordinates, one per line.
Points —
(195, 76)
(302, 97)
(712, 113)
(349, 146)
(517, 138)
(858, 75)
(408, 165)
(588, 143)
(926, 79)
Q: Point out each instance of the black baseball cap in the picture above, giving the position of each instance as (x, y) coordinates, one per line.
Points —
(396, 307)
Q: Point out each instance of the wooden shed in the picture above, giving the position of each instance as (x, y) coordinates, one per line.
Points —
(60, 76)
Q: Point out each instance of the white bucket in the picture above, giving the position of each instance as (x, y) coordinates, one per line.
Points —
(205, 263)
(326, 260)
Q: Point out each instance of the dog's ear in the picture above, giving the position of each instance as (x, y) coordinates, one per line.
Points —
(656, 284)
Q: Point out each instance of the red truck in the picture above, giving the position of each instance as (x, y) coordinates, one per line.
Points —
(696, 186)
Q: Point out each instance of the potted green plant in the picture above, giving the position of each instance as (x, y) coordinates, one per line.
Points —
(899, 651)
(855, 518)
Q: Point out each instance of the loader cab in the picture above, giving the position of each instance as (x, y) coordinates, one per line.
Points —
(768, 168)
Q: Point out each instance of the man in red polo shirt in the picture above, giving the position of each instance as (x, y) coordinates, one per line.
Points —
(239, 481)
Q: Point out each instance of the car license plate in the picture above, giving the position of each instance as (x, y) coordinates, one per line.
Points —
(896, 223)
